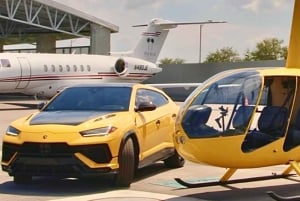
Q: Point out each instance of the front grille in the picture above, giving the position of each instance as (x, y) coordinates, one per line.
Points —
(45, 149)
(65, 166)
(8, 150)
(99, 153)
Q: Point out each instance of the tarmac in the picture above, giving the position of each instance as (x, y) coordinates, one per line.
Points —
(154, 183)
(128, 195)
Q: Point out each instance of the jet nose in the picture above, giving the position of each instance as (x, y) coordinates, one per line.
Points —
(156, 69)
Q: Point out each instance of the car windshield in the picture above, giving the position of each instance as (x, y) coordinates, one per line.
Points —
(96, 98)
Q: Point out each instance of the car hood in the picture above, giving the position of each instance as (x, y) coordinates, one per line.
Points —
(64, 117)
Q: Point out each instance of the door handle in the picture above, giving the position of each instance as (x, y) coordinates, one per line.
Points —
(157, 122)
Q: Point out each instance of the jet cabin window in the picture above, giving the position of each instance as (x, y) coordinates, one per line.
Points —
(5, 63)
(74, 68)
(88, 67)
(224, 107)
(81, 68)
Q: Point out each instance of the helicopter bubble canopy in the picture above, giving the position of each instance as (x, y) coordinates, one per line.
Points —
(249, 113)
(212, 111)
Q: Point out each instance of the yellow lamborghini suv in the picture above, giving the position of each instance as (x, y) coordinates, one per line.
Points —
(89, 130)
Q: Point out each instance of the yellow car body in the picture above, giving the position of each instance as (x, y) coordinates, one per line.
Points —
(62, 143)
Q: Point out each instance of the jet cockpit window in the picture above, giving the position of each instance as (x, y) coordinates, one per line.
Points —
(224, 107)
(5, 63)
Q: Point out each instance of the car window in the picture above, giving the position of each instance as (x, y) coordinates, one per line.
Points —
(103, 98)
(145, 95)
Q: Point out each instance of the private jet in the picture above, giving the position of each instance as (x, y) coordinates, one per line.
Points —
(43, 75)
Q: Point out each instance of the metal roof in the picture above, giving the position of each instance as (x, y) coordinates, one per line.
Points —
(21, 20)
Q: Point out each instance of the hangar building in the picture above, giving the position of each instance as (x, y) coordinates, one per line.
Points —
(44, 21)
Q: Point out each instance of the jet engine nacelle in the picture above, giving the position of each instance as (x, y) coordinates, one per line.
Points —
(128, 67)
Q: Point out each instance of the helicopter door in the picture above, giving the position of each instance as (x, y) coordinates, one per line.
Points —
(293, 136)
(25, 73)
(274, 116)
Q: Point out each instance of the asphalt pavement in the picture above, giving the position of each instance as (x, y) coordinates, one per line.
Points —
(151, 183)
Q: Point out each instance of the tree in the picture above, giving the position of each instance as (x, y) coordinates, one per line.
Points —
(284, 52)
(268, 49)
(225, 54)
(171, 61)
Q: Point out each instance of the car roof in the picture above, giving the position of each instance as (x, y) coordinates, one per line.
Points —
(117, 84)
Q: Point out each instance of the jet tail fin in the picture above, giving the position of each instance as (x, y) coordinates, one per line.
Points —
(152, 40)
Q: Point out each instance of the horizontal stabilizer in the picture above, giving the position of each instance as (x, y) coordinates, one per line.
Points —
(164, 22)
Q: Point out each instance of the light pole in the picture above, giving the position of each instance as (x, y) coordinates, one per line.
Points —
(200, 42)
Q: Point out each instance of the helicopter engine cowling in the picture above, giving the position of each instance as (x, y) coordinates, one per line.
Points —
(131, 67)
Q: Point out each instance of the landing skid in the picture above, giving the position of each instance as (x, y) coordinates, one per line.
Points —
(215, 183)
(282, 198)
(224, 180)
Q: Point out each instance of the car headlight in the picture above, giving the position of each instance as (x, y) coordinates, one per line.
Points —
(12, 131)
(98, 131)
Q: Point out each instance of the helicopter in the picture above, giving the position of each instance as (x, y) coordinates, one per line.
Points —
(245, 118)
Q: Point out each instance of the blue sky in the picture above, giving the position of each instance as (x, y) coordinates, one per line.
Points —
(248, 22)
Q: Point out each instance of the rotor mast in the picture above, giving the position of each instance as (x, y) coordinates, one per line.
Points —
(293, 58)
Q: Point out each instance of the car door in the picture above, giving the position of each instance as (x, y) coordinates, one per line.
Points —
(155, 127)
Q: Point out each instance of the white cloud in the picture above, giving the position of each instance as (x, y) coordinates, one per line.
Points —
(265, 5)
(255, 5)
(138, 4)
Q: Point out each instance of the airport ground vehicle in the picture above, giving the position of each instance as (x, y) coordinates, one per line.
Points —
(88, 130)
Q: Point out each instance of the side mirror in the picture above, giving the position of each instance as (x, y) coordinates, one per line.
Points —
(41, 105)
(145, 106)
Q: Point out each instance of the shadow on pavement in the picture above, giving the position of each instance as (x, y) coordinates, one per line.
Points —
(246, 194)
(49, 186)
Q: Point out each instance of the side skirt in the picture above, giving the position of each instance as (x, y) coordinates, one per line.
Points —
(159, 156)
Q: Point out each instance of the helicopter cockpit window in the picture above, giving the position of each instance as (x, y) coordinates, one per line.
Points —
(224, 107)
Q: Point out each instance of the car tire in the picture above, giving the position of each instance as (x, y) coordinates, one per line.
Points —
(126, 171)
(22, 179)
(175, 161)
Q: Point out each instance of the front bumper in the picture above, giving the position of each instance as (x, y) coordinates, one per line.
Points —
(56, 159)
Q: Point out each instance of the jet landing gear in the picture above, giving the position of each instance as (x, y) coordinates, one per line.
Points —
(293, 165)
